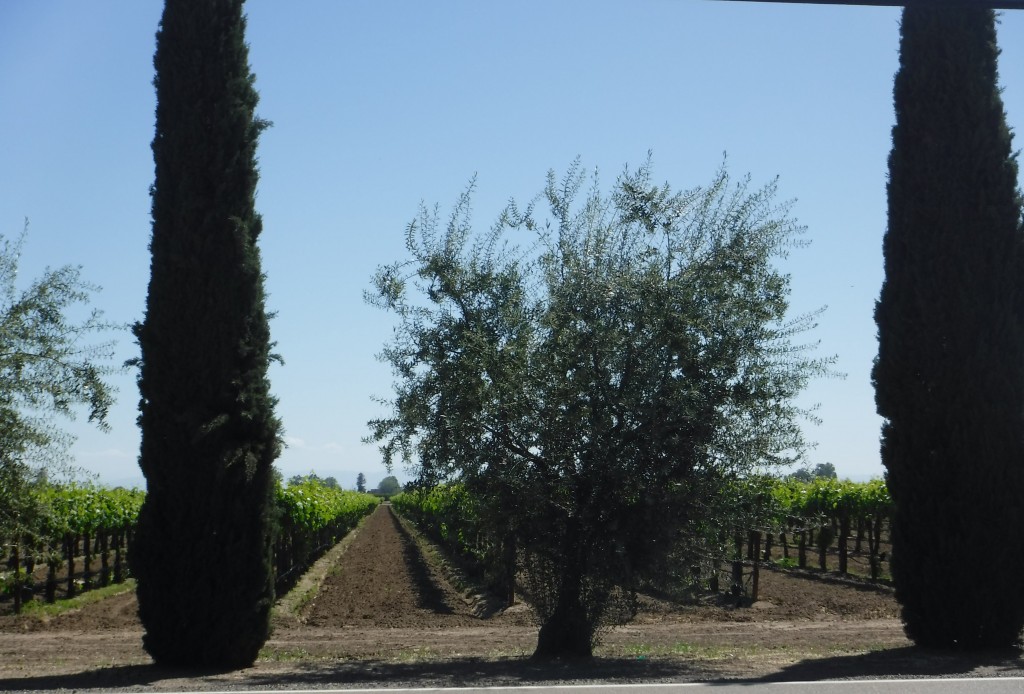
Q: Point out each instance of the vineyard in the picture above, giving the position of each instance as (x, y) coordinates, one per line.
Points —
(821, 525)
(83, 534)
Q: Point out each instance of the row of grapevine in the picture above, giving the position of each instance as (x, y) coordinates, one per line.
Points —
(451, 516)
(817, 514)
(74, 520)
(767, 510)
(313, 517)
(87, 522)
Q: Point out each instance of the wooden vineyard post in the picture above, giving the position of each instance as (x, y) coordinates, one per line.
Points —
(86, 562)
(874, 542)
(737, 567)
(844, 535)
(824, 539)
(16, 556)
(118, 561)
(53, 562)
(756, 575)
(104, 559)
(70, 545)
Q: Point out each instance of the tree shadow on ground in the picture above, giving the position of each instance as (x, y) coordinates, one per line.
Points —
(861, 583)
(430, 596)
(909, 661)
(105, 678)
(442, 673)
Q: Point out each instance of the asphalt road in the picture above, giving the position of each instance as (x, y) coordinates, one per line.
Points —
(992, 685)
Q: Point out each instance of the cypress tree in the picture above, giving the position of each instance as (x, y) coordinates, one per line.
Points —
(949, 377)
(203, 551)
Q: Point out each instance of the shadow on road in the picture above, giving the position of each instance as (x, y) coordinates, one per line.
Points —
(910, 661)
(460, 672)
(104, 678)
(447, 673)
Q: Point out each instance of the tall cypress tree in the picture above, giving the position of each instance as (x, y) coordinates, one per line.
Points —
(209, 435)
(949, 377)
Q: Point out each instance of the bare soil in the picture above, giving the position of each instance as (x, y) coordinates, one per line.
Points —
(383, 608)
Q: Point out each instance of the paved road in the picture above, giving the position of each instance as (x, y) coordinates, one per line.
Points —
(994, 685)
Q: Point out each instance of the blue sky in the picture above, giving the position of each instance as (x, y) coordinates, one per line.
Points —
(379, 104)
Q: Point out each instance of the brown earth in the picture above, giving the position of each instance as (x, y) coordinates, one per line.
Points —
(382, 608)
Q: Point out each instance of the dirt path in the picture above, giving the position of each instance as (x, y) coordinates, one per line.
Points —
(385, 614)
(385, 582)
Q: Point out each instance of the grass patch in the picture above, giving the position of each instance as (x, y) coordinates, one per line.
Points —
(287, 655)
(643, 651)
(38, 608)
(416, 654)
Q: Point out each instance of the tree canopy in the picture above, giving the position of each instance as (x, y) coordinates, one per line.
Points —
(820, 471)
(49, 368)
(329, 482)
(594, 368)
(389, 486)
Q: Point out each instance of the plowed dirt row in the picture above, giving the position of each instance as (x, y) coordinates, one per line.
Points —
(385, 614)
(385, 582)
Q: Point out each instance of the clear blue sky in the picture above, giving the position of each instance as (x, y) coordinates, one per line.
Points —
(379, 104)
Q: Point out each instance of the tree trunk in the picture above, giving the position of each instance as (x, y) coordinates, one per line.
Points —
(509, 570)
(566, 634)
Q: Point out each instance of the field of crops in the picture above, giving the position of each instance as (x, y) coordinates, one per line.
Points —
(83, 534)
(822, 524)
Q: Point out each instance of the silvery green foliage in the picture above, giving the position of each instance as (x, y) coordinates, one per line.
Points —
(608, 361)
(50, 368)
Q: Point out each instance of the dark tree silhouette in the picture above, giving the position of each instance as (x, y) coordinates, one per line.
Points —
(209, 435)
(949, 377)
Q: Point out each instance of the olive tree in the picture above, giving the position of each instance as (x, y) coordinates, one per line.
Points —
(594, 368)
(50, 367)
